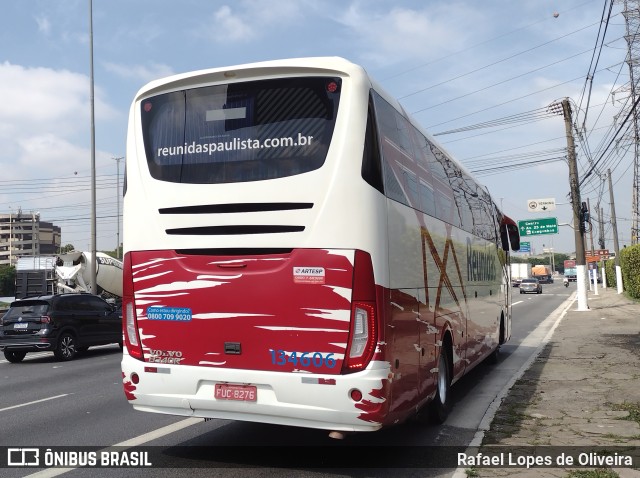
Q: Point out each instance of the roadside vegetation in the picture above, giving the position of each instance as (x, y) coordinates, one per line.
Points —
(630, 268)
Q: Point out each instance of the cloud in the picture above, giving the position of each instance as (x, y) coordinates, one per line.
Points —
(45, 98)
(43, 150)
(388, 36)
(144, 73)
(44, 26)
(230, 27)
(45, 120)
(249, 20)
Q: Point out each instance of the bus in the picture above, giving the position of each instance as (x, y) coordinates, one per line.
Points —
(298, 251)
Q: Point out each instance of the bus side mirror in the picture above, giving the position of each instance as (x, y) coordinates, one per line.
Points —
(509, 236)
(514, 237)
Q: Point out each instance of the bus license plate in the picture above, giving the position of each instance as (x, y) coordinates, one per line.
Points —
(244, 393)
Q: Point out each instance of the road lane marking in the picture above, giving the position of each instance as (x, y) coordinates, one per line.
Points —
(160, 432)
(31, 403)
(135, 441)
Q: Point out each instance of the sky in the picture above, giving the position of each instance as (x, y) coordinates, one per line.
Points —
(480, 76)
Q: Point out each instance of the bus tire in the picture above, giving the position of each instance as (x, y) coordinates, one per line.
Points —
(494, 357)
(441, 404)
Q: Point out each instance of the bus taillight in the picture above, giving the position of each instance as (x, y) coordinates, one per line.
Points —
(363, 335)
(129, 322)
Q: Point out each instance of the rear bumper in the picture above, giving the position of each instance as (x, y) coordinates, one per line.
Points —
(291, 399)
(26, 344)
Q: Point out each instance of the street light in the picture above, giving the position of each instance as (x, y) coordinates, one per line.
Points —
(93, 268)
(10, 236)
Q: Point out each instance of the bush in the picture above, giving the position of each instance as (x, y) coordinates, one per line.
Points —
(630, 268)
(7, 281)
(610, 271)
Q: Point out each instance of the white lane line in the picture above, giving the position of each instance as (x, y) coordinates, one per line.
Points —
(160, 432)
(31, 403)
(139, 440)
(516, 303)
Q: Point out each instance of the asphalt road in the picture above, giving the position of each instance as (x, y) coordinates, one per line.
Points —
(44, 403)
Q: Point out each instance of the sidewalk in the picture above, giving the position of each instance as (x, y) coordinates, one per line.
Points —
(582, 391)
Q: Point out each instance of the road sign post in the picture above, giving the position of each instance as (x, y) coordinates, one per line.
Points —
(535, 227)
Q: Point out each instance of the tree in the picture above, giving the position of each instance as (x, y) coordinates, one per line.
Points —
(7, 281)
(67, 248)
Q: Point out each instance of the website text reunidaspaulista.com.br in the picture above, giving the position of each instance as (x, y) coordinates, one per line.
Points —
(234, 144)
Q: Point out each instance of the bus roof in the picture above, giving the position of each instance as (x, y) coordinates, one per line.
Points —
(276, 68)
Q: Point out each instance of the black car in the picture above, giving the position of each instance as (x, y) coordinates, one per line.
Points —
(65, 324)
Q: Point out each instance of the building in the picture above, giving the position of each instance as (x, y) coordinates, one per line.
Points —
(24, 234)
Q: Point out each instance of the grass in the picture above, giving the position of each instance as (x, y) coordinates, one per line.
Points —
(597, 473)
(632, 408)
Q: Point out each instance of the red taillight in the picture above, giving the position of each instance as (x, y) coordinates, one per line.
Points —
(363, 335)
(129, 321)
(45, 319)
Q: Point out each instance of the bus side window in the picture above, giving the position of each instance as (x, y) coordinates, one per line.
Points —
(427, 199)
(411, 181)
(392, 187)
(371, 167)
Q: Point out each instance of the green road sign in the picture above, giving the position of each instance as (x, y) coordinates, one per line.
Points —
(534, 227)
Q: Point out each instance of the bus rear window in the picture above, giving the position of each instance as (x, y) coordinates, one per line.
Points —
(240, 132)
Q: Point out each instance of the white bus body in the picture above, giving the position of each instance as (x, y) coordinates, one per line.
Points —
(299, 252)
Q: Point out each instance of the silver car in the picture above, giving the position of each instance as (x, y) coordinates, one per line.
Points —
(530, 286)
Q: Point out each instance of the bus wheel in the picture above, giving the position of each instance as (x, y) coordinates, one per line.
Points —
(441, 404)
(494, 357)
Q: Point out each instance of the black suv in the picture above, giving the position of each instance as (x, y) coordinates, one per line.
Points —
(65, 324)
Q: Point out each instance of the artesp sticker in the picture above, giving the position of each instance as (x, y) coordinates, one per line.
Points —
(308, 275)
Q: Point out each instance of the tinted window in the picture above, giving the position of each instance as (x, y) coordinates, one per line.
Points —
(371, 169)
(95, 303)
(239, 132)
(27, 308)
(68, 303)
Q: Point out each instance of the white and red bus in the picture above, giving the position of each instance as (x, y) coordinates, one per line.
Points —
(298, 251)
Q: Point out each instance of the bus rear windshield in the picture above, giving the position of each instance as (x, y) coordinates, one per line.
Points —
(238, 132)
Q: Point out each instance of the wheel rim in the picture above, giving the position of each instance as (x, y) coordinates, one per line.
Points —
(442, 379)
(67, 346)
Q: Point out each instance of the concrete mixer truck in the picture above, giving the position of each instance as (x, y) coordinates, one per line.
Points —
(73, 271)
(70, 272)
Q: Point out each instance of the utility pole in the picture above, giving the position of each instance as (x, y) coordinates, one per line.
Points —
(601, 228)
(593, 282)
(631, 14)
(593, 249)
(616, 246)
(601, 243)
(118, 205)
(578, 224)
